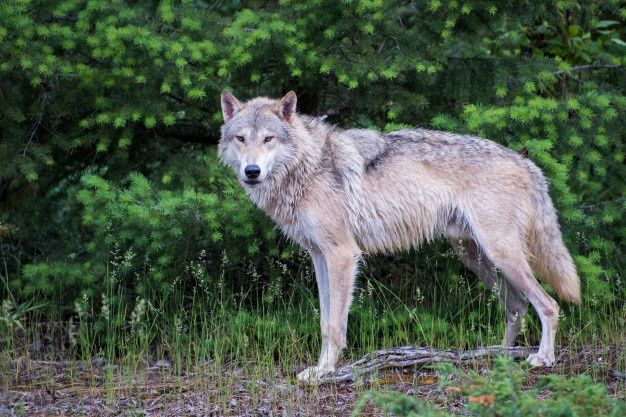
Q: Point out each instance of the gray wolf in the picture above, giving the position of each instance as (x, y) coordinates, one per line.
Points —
(344, 193)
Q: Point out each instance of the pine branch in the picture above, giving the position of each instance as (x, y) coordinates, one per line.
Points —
(188, 134)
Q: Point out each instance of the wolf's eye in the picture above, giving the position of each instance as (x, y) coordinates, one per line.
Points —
(268, 138)
(240, 138)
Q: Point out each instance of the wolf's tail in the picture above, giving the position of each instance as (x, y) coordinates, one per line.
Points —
(549, 256)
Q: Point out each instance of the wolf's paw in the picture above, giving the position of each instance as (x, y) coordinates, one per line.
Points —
(540, 359)
(313, 374)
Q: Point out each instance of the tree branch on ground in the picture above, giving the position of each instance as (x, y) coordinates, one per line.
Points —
(407, 356)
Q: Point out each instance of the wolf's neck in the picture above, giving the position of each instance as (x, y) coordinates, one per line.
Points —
(281, 196)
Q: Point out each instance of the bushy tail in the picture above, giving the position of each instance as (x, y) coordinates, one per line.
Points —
(550, 258)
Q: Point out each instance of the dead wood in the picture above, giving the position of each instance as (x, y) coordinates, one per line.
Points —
(407, 356)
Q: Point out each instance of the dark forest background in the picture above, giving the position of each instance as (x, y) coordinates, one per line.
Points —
(110, 189)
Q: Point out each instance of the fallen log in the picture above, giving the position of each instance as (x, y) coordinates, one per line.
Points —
(407, 356)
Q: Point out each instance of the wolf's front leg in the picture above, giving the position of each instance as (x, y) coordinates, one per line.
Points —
(335, 286)
(323, 290)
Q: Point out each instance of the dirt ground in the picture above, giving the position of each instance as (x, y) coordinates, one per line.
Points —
(74, 388)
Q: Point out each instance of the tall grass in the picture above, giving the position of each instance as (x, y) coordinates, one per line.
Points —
(217, 338)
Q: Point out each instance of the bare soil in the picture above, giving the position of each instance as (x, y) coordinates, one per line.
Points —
(94, 388)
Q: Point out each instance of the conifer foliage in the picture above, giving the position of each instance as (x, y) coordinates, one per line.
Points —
(110, 114)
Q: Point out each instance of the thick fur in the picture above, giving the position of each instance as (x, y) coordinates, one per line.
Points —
(343, 193)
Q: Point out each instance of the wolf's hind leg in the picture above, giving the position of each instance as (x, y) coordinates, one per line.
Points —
(506, 250)
(514, 303)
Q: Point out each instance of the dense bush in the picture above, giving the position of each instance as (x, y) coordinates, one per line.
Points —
(157, 238)
(110, 113)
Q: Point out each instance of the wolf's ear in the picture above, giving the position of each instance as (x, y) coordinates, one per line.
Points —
(287, 106)
(230, 105)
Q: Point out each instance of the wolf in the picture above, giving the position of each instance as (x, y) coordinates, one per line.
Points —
(342, 194)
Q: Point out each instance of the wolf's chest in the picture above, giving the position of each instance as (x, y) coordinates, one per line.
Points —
(302, 233)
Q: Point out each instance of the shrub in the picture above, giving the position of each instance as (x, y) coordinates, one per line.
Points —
(504, 391)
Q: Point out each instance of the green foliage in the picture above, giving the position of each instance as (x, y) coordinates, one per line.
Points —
(149, 240)
(504, 392)
(398, 405)
(110, 113)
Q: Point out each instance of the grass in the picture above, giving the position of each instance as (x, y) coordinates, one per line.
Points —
(235, 350)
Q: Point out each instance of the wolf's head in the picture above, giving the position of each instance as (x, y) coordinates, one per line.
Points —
(257, 137)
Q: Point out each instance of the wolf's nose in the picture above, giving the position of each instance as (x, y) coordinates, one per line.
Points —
(252, 171)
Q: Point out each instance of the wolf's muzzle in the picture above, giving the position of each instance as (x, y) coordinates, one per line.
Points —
(252, 171)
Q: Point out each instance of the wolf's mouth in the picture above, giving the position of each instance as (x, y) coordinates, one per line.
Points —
(252, 182)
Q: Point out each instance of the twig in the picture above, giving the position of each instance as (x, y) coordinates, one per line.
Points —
(585, 67)
(35, 127)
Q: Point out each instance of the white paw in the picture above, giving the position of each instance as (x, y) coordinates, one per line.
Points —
(540, 359)
(313, 374)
